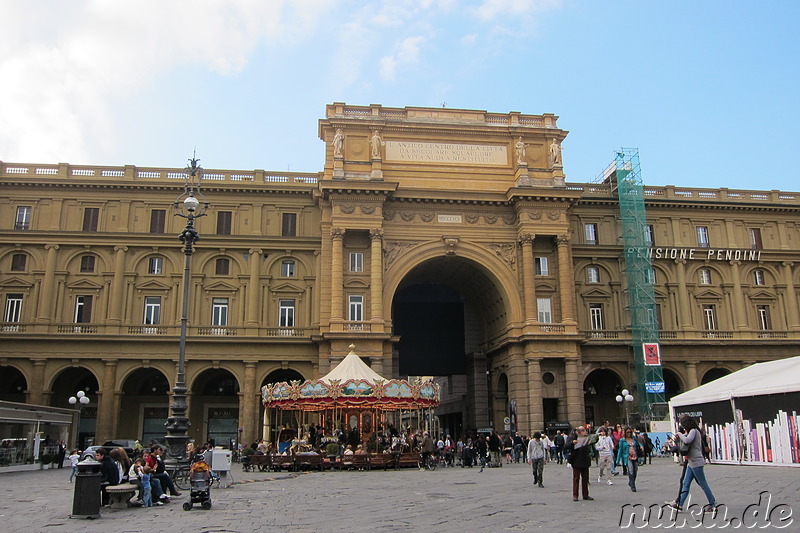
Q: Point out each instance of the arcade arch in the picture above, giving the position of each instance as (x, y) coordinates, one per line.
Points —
(214, 407)
(13, 385)
(145, 400)
(68, 382)
(600, 389)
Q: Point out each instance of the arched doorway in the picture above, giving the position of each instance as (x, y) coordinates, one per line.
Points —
(600, 389)
(444, 310)
(274, 419)
(13, 385)
(714, 373)
(145, 400)
(672, 384)
(214, 410)
(67, 383)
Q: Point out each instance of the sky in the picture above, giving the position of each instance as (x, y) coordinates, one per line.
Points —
(707, 91)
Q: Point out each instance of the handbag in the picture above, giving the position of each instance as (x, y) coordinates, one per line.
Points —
(683, 448)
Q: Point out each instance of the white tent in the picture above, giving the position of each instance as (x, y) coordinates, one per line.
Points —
(352, 367)
(751, 416)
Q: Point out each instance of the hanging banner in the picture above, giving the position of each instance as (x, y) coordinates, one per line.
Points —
(652, 354)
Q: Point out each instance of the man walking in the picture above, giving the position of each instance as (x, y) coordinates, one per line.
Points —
(536, 456)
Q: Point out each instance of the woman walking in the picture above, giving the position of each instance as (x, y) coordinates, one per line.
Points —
(628, 452)
(692, 437)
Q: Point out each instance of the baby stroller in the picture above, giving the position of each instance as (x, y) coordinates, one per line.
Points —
(200, 478)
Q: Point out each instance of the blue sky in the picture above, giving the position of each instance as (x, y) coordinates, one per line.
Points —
(706, 90)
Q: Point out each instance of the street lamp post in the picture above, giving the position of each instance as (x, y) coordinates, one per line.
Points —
(625, 399)
(189, 207)
(80, 400)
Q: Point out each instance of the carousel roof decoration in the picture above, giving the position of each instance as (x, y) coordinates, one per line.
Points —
(352, 383)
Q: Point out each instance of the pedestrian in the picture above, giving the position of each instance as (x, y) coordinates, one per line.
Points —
(62, 452)
(629, 451)
(536, 457)
(605, 448)
(558, 440)
(648, 449)
(580, 458)
(692, 437)
(74, 457)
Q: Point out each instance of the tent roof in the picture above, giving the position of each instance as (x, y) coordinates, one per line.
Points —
(352, 367)
(773, 377)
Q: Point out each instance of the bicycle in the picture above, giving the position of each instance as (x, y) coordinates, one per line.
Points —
(179, 474)
(427, 462)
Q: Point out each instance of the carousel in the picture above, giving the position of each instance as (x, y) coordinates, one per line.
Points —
(352, 406)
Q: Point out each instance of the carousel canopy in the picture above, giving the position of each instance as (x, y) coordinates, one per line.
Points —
(352, 383)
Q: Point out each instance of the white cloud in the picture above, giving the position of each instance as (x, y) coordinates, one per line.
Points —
(64, 65)
(491, 9)
(406, 53)
(470, 39)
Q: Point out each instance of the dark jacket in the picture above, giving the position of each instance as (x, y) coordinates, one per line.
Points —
(581, 457)
(109, 473)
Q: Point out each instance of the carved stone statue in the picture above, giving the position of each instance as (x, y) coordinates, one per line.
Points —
(338, 143)
(376, 143)
(555, 153)
(520, 146)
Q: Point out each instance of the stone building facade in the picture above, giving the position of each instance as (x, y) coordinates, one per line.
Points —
(439, 241)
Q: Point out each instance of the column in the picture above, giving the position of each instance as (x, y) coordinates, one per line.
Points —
(535, 406)
(739, 314)
(105, 402)
(117, 286)
(684, 316)
(529, 277)
(575, 412)
(691, 375)
(249, 406)
(36, 386)
(337, 279)
(44, 313)
(253, 287)
(792, 320)
(376, 274)
(566, 285)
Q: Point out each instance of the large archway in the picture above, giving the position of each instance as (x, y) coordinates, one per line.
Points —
(214, 410)
(600, 389)
(714, 373)
(67, 383)
(13, 385)
(444, 309)
(273, 420)
(145, 400)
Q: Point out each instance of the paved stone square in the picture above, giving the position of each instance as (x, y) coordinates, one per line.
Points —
(452, 499)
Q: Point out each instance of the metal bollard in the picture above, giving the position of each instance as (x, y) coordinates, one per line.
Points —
(86, 498)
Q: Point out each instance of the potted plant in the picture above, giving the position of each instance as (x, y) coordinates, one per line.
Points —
(45, 459)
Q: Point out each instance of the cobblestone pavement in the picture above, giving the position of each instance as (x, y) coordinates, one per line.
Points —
(455, 499)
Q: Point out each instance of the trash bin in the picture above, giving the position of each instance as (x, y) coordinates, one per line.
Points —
(86, 499)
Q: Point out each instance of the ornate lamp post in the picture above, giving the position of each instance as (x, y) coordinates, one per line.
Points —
(625, 399)
(80, 400)
(189, 207)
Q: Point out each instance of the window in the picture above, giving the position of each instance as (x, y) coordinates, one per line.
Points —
(764, 323)
(758, 277)
(650, 276)
(223, 266)
(23, 220)
(649, 235)
(289, 224)
(356, 262)
(709, 317)
(224, 222)
(596, 316)
(545, 315)
(18, 262)
(156, 265)
(541, 266)
(13, 309)
(755, 238)
(157, 220)
(356, 308)
(286, 313)
(219, 312)
(83, 309)
(705, 276)
(287, 269)
(593, 274)
(702, 236)
(152, 309)
(87, 263)
(590, 233)
(90, 218)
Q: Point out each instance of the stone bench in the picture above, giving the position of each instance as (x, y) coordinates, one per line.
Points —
(119, 496)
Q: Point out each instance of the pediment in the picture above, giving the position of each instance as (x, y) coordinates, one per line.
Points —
(545, 287)
(762, 295)
(84, 284)
(220, 286)
(152, 285)
(286, 287)
(596, 292)
(356, 284)
(708, 294)
(15, 283)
